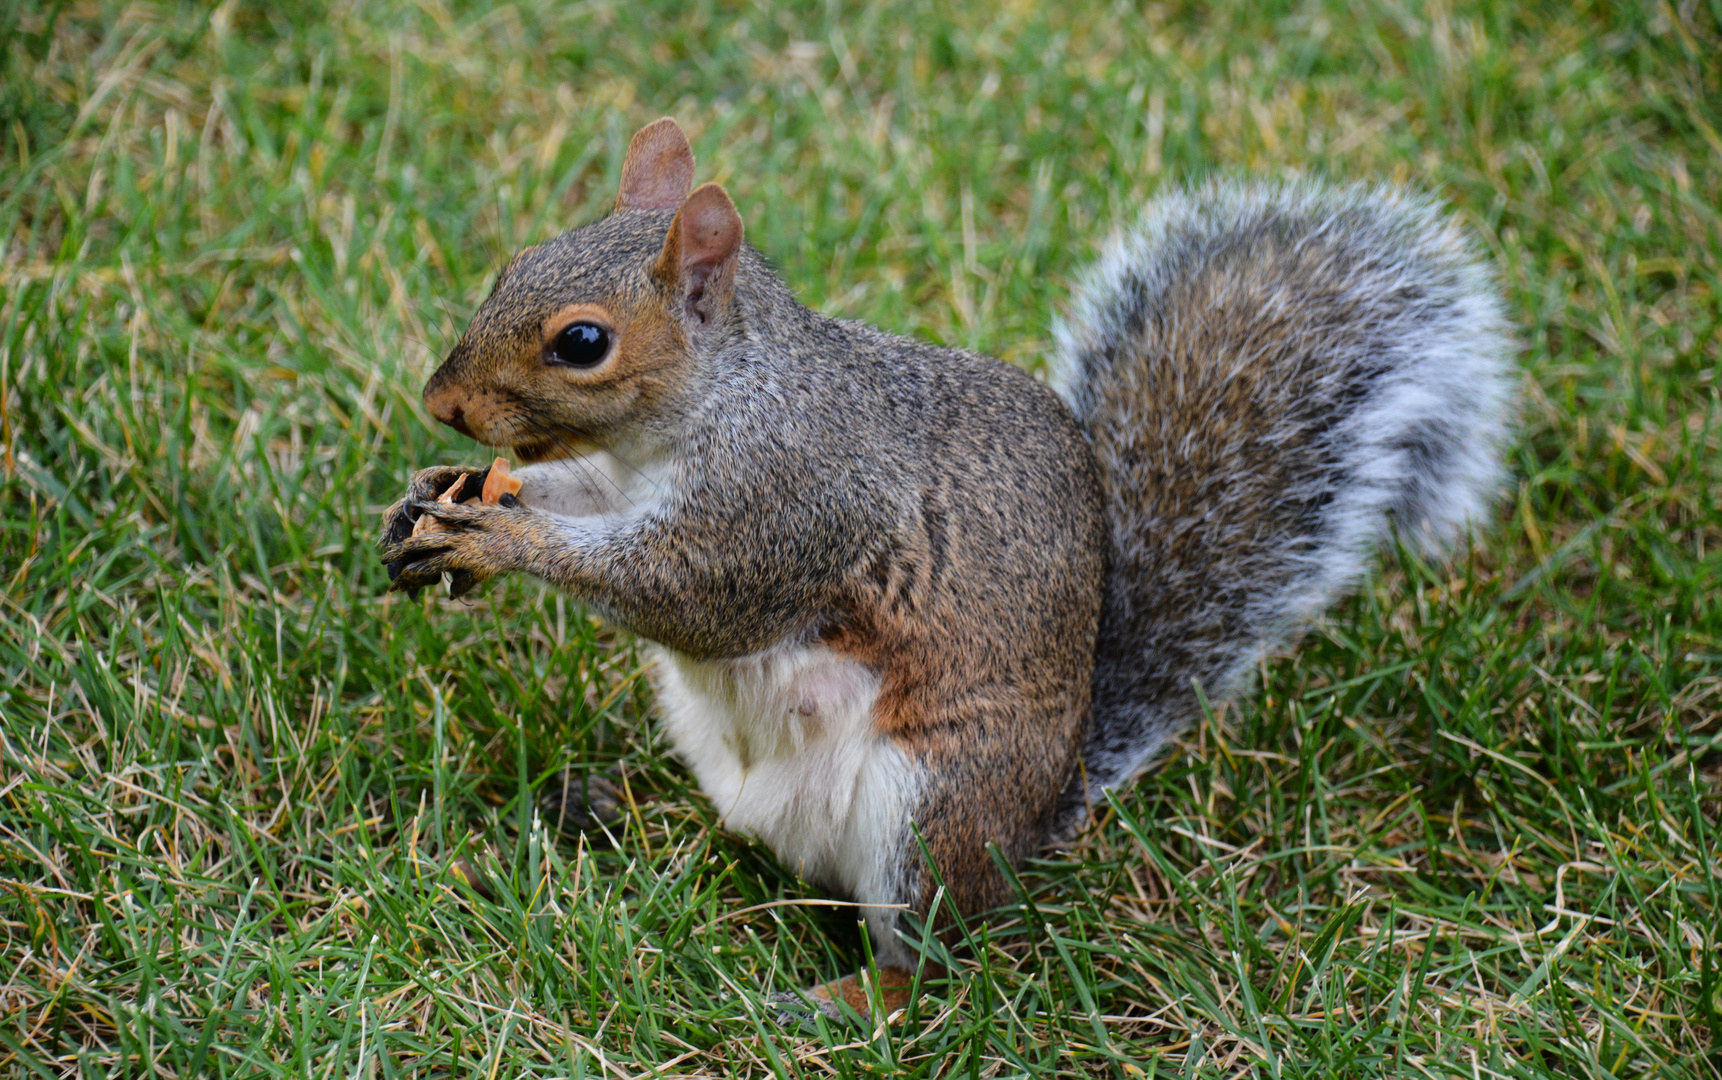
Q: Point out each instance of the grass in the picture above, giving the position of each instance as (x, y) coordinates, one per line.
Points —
(1470, 829)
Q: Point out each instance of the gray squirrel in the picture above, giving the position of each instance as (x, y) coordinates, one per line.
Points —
(897, 588)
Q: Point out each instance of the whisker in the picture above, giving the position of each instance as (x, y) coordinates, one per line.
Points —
(578, 466)
(630, 466)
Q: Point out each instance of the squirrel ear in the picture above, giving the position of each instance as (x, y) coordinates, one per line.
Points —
(700, 252)
(658, 170)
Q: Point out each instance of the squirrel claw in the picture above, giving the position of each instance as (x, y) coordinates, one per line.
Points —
(417, 561)
(461, 582)
(413, 549)
(417, 575)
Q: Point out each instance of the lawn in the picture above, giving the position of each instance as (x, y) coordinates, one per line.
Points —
(1472, 828)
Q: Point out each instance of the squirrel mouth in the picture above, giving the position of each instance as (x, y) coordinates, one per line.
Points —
(573, 443)
(550, 450)
(538, 451)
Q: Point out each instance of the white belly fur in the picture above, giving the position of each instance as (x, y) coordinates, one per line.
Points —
(784, 745)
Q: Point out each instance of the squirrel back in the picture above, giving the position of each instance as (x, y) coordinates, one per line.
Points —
(1274, 379)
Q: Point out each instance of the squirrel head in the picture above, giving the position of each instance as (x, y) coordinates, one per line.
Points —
(596, 336)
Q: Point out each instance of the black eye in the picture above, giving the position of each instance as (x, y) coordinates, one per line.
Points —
(580, 345)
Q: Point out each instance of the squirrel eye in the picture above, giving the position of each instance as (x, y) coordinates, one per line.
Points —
(580, 345)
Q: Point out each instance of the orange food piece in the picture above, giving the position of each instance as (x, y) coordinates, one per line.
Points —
(499, 483)
(428, 524)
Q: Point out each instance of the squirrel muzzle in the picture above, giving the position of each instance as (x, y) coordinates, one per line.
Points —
(446, 404)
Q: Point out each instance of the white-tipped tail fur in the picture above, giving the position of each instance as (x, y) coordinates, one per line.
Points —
(1274, 378)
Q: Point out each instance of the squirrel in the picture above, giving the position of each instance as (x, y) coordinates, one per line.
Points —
(903, 594)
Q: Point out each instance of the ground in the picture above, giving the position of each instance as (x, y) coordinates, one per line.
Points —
(1471, 828)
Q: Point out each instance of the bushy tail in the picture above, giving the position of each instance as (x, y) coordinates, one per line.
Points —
(1273, 378)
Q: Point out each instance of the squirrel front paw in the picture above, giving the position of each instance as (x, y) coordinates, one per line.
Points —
(399, 519)
(468, 541)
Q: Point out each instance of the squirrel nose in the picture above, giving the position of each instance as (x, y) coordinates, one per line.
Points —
(446, 407)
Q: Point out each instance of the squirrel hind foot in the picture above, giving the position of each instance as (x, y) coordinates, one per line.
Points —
(851, 997)
(583, 803)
